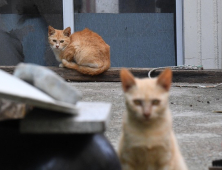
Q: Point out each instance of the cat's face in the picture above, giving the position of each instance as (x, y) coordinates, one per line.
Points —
(58, 39)
(146, 98)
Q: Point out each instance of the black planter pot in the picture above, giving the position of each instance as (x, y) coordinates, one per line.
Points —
(54, 151)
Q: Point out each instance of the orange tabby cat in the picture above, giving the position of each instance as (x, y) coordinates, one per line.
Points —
(148, 141)
(84, 51)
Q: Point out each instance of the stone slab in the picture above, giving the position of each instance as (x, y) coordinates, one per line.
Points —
(93, 117)
(12, 88)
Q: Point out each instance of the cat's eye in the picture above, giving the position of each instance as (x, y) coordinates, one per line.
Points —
(62, 41)
(137, 102)
(54, 40)
(155, 102)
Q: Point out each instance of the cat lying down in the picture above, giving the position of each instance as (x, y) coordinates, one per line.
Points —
(148, 141)
(84, 51)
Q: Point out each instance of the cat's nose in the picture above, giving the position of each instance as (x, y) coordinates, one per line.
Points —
(146, 115)
(57, 46)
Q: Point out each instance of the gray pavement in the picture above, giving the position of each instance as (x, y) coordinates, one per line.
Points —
(198, 129)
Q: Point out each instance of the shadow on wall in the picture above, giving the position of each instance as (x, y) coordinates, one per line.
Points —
(23, 30)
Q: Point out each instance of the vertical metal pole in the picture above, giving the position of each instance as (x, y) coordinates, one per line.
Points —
(179, 32)
(68, 14)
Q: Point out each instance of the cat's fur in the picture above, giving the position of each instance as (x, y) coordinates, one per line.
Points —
(84, 51)
(148, 141)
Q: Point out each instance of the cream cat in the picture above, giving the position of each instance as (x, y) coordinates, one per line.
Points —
(84, 51)
(148, 141)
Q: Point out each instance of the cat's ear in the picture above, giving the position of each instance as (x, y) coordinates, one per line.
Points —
(51, 30)
(127, 79)
(165, 79)
(67, 31)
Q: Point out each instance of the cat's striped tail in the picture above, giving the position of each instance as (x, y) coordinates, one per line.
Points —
(86, 69)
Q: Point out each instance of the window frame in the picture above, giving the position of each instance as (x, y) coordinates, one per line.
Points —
(68, 21)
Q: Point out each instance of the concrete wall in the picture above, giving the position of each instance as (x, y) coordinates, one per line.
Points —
(203, 33)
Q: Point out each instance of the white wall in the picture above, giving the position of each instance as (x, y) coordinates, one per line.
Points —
(203, 33)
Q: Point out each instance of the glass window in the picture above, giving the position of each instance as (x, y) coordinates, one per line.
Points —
(141, 33)
(23, 30)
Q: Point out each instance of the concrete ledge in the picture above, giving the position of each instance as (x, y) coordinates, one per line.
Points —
(112, 75)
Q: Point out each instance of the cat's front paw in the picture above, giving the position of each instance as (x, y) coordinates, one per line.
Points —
(64, 61)
(61, 65)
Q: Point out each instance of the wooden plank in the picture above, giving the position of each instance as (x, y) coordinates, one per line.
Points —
(112, 75)
(215, 168)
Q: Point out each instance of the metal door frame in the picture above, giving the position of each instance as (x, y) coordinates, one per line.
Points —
(68, 14)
